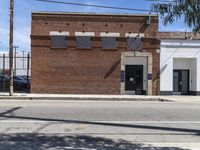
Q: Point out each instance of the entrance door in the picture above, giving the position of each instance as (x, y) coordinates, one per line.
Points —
(134, 78)
(181, 82)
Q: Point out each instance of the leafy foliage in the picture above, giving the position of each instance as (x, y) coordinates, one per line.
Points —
(172, 11)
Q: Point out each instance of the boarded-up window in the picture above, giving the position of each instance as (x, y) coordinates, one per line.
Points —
(109, 42)
(134, 43)
(58, 41)
(84, 42)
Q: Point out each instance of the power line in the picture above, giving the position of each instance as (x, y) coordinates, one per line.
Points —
(162, 1)
(97, 6)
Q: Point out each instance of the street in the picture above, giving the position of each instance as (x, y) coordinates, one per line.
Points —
(51, 124)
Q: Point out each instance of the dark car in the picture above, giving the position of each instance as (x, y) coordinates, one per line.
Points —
(4, 83)
(19, 83)
(26, 78)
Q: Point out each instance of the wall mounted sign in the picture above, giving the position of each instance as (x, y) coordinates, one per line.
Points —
(149, 76)
(122, 76)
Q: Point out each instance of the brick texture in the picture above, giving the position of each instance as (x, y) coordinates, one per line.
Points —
(86, 71)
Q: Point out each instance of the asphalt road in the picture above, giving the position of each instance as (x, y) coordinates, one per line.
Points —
(99, 125)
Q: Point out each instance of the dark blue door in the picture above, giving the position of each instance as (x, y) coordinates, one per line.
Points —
(134, 78)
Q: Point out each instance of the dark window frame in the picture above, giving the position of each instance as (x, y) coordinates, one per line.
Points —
(104, 38)
(133, 43)
(85, 45)
(63, 43)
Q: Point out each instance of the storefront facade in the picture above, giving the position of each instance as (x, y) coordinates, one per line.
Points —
(95, 53)
(180, 64)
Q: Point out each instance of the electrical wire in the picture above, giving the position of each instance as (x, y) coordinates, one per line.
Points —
(97, 6)
(162, 1)
(105, 7)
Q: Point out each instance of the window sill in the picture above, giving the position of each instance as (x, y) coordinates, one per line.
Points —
(58, 48)
(109, 49)
(134, 49)
(86, 49)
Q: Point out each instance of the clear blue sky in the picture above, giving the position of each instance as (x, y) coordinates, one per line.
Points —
(23, 9)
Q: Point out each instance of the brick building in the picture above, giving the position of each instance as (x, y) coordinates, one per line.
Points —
(77, 53)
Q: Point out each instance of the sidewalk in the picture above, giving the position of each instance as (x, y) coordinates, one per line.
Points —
(25, 96)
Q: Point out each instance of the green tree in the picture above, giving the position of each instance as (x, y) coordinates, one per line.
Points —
(189, 10)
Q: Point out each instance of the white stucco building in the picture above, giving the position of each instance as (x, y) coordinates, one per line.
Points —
(179, 63)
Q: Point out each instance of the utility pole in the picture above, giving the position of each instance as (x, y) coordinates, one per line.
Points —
(11, 46)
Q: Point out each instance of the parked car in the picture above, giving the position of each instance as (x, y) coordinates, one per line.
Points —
(19, 83)
(26, 78)
(4, 83)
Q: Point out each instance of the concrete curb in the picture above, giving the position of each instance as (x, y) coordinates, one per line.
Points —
(82, 98)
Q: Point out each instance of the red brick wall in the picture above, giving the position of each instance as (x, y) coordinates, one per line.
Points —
(79, 71)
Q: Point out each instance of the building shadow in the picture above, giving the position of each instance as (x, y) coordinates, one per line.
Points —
(77, 142)
(112, 68)
(9, 114)
(38, 141)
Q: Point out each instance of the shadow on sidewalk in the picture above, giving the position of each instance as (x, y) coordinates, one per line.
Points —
(60, 142)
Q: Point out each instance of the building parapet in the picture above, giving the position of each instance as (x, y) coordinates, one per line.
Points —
(178, 35)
